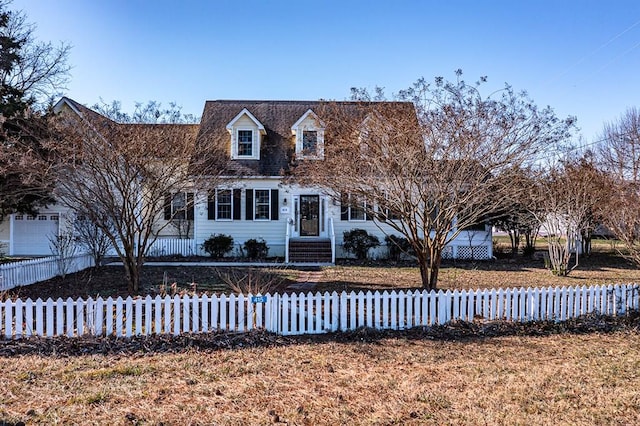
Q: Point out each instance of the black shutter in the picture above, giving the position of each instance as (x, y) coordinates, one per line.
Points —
(249, 206)
(211, 206)
(237, 193)
(190, 206)
(344, 207)
(167, 206)
(275, 204)
(369, 210)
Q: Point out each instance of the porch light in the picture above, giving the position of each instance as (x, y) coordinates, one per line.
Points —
(284, 201)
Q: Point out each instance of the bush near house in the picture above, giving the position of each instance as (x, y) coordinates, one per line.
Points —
(397, 246)
(218, 245)
(256, 248)
(358, 242)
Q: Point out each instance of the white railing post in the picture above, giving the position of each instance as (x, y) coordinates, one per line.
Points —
(332, 235)
(287, 236)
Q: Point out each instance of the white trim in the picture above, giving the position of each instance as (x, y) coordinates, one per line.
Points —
(251, 117)
(304, 117)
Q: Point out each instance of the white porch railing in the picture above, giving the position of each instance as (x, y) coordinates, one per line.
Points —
(287, 237)
(332, 235)
(174, 246)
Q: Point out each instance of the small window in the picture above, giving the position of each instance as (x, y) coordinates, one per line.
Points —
(56, 217)
(245, 143)
(357, 209)
(309, 142)
(42, 217)
(262, 200)
(31, 218)
(19, 217)
(224, 204)
(178, 206)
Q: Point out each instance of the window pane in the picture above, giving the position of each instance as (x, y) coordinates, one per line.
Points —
(224, 204)
(178, 204)
(263, 207)
(356, 210)
(309, 141)
(245, 142)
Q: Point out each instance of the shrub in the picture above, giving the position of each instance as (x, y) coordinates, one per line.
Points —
(358, 242)
(256, 249)
(218, 245)
(251, 280)
(397, 246)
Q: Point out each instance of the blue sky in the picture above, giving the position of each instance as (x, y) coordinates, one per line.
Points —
(580, 57)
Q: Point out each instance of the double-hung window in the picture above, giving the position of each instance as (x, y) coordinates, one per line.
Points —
(245, 143)
(355, 208)
(178, 206)
(262, 199)
(261, 204)
(224, 204)
(310, 142)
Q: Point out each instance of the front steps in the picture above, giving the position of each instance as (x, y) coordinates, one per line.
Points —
(310, 251)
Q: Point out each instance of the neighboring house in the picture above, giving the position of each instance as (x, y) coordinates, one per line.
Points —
(263, 139)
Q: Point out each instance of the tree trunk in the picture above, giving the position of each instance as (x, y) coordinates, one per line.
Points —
(434, 266)
(429, 268)
(132, 273)
(514, 236)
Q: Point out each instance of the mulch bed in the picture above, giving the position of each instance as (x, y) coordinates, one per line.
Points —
(454, 331)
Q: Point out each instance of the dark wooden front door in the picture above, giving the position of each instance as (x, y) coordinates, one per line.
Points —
(309, 215)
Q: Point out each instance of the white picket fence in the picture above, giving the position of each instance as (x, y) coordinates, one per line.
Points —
(31, 271)
(294, 314)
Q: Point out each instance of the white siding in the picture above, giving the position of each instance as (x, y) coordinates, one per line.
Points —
(272, 231)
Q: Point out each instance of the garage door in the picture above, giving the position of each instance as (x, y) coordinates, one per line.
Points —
(31, 233)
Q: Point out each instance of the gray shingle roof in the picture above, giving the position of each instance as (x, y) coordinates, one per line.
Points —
(278, 145)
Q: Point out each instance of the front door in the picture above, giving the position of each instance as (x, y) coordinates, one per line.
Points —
(309, 215)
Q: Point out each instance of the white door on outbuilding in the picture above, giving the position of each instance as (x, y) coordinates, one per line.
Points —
(31, 234)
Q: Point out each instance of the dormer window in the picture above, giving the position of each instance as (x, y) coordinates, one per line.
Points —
(309, 142)
(246, 134)
(245, 143)
(309, 134)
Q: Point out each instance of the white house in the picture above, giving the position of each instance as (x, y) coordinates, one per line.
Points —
(300, 224)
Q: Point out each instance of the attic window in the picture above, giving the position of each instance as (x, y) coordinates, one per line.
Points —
(245, 143)
(309, 142)
(246, 131)
(309, 133)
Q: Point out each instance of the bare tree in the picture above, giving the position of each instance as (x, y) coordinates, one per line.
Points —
(571, 196)
(517, 215)
(429, 178)
(91, 236)
(63, 247)
(30, 73)
(119, 175)
(619, 157)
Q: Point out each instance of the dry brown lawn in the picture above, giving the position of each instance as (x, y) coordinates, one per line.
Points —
(600, 268)
(561, 379)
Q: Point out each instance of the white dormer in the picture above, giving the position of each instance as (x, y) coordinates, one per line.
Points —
(309, 133)
(246, 134)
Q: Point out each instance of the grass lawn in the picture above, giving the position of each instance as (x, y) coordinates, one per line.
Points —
(559, 379)
(601, 267)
